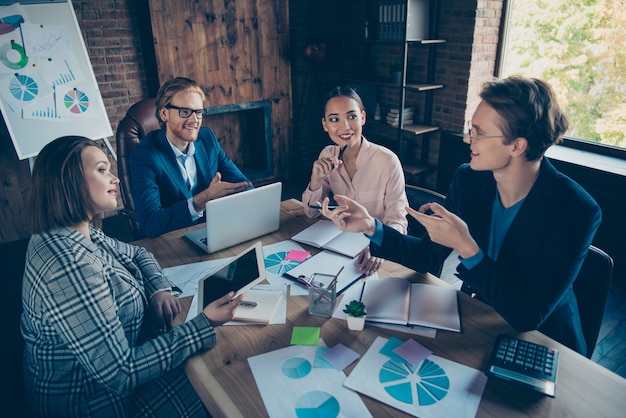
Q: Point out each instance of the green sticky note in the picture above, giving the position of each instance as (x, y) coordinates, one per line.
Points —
(305, 335)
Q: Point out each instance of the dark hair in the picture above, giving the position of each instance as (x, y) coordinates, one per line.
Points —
(60, 196)
(343, 91)
(170, 88)
(529, 109)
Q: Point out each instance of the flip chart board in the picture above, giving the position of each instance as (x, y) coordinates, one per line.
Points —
(47, 85)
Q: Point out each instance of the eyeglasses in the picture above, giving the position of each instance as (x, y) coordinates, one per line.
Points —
(471, 132)
(185, 112)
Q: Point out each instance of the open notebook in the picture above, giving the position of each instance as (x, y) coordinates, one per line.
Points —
(266, 301)
(396, 300)
(325, 234)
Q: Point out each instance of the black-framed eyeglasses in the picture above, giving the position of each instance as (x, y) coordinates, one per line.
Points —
(185, 112)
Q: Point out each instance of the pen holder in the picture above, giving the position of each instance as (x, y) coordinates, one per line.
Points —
(322, 301)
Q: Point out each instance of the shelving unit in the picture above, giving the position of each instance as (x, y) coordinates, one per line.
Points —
(368, 55)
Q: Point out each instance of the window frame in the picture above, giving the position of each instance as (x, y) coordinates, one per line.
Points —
(570, 142)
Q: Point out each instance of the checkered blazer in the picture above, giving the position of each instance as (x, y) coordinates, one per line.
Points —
(84, 304)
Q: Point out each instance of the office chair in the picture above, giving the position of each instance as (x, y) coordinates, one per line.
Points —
(591, 288)
(417, 196)
(140, 119)
(12, 259)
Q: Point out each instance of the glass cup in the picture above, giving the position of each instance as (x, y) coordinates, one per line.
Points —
(322, 301)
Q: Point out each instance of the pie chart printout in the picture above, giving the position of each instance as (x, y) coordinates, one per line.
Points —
(296, 368)
(23, 87)
(317, 404)
(76, 101)
(278, 263)
(426, 385)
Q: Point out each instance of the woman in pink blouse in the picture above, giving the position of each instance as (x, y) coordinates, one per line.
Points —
(368, 173)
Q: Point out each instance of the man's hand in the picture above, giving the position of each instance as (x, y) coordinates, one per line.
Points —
(349, 216)
(223, 309)
(165, 307)
(368, 264)
(445, 228)
(217, 189)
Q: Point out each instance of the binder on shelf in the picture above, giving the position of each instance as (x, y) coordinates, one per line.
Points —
(417, 20)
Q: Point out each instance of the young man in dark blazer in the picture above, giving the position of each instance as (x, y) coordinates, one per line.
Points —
(177, 169)
(521, 228)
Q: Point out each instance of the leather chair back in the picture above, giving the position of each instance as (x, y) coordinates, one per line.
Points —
(140, 119)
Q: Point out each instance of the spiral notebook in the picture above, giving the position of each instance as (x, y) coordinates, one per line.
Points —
(267, 301)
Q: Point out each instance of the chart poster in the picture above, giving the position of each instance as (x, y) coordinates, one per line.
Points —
(47, 85)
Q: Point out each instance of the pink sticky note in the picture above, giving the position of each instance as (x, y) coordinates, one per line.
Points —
(412, 351)
(297, 255)
(340, 356)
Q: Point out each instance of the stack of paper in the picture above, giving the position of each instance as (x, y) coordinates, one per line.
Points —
(393, 117)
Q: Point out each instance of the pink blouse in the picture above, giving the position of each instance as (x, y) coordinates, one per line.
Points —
(378, 184)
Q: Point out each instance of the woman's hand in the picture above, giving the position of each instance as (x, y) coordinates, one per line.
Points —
(445, 228)
(368, 264)
(223, 309)
(349, 215)
(321, 169)
(165, 307)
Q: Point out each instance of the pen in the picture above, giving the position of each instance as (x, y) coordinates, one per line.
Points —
(330, 207)
(350, 284)
(342, 151)
(248, 304)
(362, 289)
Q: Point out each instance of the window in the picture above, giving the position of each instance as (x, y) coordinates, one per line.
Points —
(579, 47)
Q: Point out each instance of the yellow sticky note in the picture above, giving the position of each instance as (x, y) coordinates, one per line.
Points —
(305, 335)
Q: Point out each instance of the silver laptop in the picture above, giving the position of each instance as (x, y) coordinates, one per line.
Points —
(239, 217)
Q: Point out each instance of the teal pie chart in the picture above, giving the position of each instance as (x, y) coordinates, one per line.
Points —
(296, 368)
(430, 382)
(277, 263)
(23, 87)
(317, 404)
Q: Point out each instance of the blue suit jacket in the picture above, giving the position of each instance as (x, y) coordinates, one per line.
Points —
(530, 284)
(159, 190)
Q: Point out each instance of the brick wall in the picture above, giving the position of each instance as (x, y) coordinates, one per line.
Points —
(116, 34)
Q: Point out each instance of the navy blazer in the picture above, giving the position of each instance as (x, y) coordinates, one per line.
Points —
(159, 190)
(530, 284)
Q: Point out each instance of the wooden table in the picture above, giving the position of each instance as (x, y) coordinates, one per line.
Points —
(225, 383)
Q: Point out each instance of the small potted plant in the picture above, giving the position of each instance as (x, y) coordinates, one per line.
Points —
(356, 315)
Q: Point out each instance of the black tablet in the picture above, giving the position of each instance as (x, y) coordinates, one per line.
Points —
(238, 274)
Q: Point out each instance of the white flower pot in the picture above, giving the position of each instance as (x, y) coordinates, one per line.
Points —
(356, 324)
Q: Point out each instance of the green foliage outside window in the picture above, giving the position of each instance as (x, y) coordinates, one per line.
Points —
(579, 47)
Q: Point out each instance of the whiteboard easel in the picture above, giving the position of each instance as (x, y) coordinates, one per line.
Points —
(35, 110)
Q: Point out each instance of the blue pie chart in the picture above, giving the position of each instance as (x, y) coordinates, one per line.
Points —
(317, 404)
(430, 382)
(278, 263)
(296, 368)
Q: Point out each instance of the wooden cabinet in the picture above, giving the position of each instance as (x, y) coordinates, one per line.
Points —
(389, 53)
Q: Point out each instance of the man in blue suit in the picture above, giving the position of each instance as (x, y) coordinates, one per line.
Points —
(177, 169)
(521, 228)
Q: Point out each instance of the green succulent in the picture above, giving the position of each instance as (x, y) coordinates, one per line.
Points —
(355, 308)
